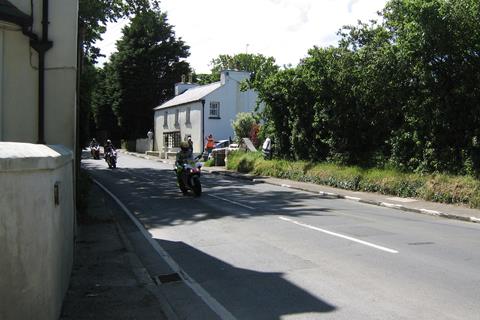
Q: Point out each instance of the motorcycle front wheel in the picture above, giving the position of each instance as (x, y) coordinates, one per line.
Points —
(196, 186)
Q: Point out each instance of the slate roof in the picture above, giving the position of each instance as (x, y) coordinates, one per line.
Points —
(191, 95)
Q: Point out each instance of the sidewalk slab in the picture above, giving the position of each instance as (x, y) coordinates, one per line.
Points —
(106, 282)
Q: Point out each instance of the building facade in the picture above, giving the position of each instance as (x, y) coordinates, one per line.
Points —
(197, 111)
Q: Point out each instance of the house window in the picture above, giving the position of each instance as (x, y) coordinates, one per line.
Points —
(214, 110)
(172, 139)
(165, 119)
(187, 117)
(177, 113)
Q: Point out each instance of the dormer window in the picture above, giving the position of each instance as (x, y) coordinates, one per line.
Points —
(214, 110)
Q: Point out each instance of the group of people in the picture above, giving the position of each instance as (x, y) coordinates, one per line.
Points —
(108, 147)
(186, 147)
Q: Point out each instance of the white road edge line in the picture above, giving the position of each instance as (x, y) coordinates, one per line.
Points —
(195, 286)
(352, 198)
(233, 202)
(339, 235)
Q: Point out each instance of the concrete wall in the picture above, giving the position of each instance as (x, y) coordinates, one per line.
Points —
(36, 234)
(143, 145)
(19, 76)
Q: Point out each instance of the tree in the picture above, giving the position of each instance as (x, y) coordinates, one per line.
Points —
(145, 68)
(244, 125)
(95, 14)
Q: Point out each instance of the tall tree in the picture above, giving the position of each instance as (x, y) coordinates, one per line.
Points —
(148, 63)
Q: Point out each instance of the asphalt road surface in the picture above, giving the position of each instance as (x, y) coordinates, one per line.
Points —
(259, 251)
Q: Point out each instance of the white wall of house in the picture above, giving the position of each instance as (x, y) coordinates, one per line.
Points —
(36, 234)
(19, 80)
(192, 128)
(232, 101)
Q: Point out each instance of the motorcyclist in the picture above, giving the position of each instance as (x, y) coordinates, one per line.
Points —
(93, 143)
(108, 147)
(94, 149)
(183, 157)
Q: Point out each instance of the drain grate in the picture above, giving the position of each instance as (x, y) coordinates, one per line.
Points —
(166, 278)
(419, 243)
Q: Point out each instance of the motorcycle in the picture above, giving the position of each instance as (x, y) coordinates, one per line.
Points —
(188, 177)
(111, 158)
(95, 151)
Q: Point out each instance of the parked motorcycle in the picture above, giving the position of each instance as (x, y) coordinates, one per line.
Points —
(188, 177)
(111, 158)
(95, 151)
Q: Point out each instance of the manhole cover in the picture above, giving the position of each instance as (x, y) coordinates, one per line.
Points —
(166, 278)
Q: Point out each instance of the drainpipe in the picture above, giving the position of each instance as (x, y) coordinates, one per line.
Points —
(203, 125)
(42, 46)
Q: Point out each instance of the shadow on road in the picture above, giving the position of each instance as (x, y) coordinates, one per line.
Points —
(247, 294)
(153, 196)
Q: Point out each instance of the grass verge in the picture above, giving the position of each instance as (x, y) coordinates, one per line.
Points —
(435, 187)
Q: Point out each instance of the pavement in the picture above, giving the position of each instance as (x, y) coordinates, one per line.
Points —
(442, 210)
(108, 280)
(111, 276)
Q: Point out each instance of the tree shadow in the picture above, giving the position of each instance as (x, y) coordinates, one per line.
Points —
(247, 294)
(152, 194)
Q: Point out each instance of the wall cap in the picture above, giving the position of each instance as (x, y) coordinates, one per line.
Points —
(16, 156)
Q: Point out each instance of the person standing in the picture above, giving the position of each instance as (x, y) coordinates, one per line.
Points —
(190, 145)
(210, 144)
(267, 148)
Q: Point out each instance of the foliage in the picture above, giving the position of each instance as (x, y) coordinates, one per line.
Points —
(434, 187)
(402, 93)
(143, 72)
(93, 17)
(244, 125)
(95, 14)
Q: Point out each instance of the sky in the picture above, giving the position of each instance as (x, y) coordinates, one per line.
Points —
(283, 29)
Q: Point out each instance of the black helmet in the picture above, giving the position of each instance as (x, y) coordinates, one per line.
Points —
(184, 146)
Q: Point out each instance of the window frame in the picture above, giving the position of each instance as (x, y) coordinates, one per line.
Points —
(214, 106)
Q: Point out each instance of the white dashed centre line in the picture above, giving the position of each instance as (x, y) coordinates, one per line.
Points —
(339, 235)
(233, 202)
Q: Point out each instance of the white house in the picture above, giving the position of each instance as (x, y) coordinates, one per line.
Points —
(198, 111)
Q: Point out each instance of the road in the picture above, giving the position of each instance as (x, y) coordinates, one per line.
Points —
(259, 251)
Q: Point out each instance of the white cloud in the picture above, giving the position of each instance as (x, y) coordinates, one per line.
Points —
(284, 29)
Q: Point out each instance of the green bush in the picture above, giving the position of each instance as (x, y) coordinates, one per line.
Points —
(438, 188)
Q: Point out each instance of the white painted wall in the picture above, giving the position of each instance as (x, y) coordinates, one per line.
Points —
(19, 93)
(36, 235)
(193, 128)
(232, 101)
(143, 145)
